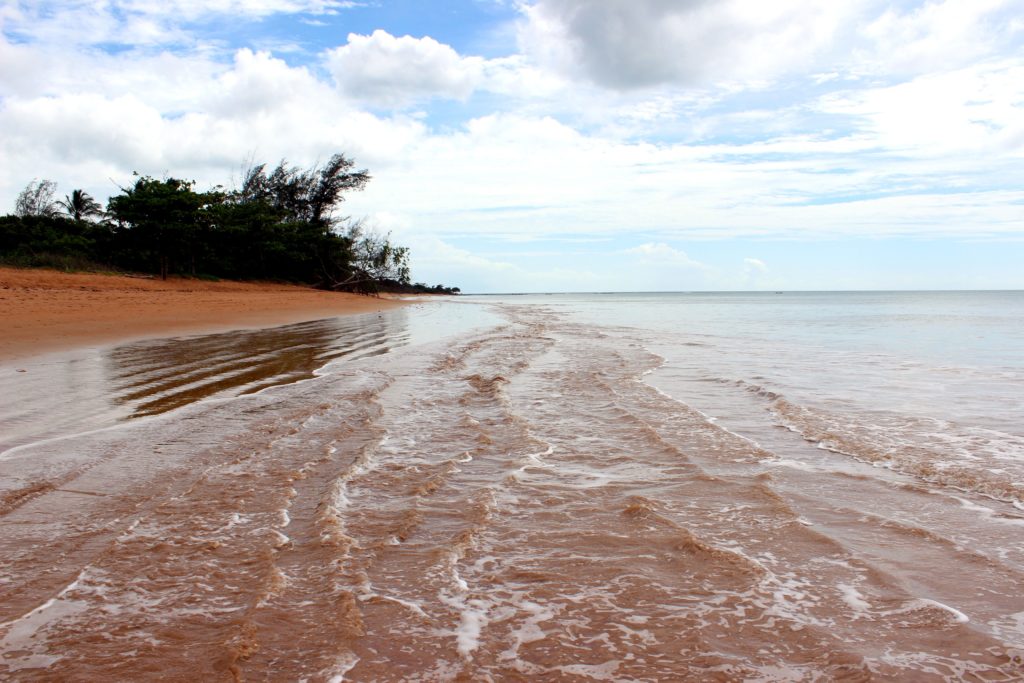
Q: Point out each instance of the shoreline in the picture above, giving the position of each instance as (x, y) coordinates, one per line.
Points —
(47, 311)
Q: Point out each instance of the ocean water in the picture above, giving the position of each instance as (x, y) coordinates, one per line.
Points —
(614, 487)
(926, 383)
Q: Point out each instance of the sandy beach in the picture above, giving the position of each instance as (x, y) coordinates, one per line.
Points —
(45, 310)
(529, 494)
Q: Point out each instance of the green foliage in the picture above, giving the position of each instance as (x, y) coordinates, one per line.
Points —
(281, 224)
(161, 221)
(306, 196)
(373, 261)
(80, 206)
(32, 235)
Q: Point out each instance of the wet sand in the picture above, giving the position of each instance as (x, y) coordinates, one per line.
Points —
(45, 310)
(512, 504)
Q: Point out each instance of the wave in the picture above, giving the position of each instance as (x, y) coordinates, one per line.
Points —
(959, 457)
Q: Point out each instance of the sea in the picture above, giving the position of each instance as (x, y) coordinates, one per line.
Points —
(791, 486)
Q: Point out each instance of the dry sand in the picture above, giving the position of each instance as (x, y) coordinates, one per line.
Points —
(44, 310)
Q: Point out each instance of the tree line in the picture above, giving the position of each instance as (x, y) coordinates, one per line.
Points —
(279, 224)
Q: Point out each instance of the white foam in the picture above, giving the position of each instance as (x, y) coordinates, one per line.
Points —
(232, 521)
(990, 514)
(347, 663)
(474, 618)
(773, 673)
(459, 581)
(533, 460)
(23, 631)
(711, 420)
(408, 604)
(854, 598)
(49, 603)
(530, 630)
(792, 464)
(645, 637)
(598, 672)
(918, 603)
(957, 614)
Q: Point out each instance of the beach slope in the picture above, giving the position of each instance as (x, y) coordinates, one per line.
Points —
(45, 310)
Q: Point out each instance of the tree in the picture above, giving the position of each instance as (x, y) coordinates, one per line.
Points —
(163, 217)
(281, 223)
(79, 205)
(333, 180)
(377, 257)
(371, 260)
(37, 199)
(291, 214)
(309, 196)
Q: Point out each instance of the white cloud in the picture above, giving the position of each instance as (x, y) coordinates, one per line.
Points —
(647, 43)
(204, 125)
(518, 175)
(650, 42)
(757, 276)
(938, 34)
(964, 111)
(662, 254)
(383, 69)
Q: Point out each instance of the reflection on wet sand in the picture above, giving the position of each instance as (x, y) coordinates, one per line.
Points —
(69, 394)
(156, 376)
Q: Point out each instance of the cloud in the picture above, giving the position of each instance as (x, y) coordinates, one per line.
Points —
(642, 43)
(757, 276)
(943, 34)
(962, 111)
(383, 69)
(203, 125)
(663, 255)
(699, 43)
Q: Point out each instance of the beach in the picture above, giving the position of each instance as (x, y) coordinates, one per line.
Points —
(45, 310)
(561, 488)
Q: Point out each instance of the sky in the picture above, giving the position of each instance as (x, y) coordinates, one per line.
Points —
(564, 145)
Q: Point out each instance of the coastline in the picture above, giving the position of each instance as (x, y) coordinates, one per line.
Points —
(47, 311)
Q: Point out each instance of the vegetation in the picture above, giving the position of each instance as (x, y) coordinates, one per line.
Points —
(281, 224)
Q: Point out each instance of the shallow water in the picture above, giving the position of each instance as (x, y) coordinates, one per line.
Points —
(66, 393)
(547, 498)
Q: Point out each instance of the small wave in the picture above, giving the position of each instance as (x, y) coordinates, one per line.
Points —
(19, 496)
(963, 458)
(486, 385)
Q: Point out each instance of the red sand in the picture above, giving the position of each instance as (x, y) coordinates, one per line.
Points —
(45, 310)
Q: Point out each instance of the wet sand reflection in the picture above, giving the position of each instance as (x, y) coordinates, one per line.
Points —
(157, 376)
(75, 393)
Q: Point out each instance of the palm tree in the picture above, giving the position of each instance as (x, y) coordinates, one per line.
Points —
(80, 205)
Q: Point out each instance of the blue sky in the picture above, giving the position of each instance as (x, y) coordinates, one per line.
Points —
(565, 145)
